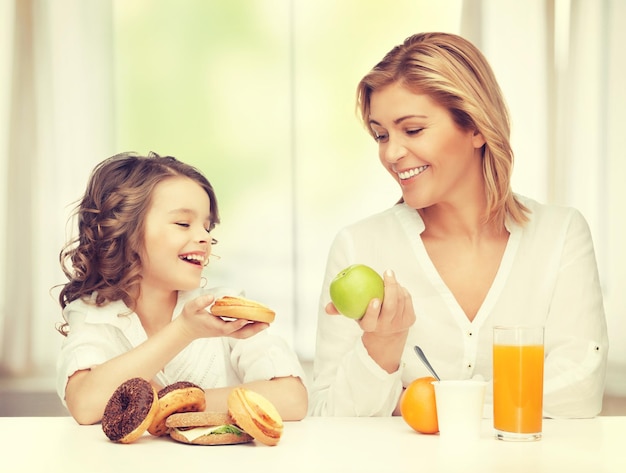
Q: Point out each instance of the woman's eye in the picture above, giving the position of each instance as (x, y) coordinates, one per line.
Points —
(380, 137)
(181, 224)
(413, 131)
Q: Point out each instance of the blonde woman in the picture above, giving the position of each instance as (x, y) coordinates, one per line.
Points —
(460, 252)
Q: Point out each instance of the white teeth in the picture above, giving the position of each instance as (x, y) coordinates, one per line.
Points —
(412, 172)
(193, 258)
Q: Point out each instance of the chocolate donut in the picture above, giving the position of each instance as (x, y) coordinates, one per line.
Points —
(181, 396)
(130, 411)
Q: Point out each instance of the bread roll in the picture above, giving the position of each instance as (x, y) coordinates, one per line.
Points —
(241, 308)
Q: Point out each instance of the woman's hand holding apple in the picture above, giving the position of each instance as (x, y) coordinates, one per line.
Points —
(386, 323)
(392, 316)
(378, 304)
(386, 327)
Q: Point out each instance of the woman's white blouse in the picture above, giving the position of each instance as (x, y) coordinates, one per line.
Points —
(548, 276)
(98, 334)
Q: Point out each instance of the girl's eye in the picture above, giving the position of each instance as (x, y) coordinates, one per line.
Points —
(181, 224)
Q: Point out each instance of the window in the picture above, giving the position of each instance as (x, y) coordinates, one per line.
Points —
(260, 96)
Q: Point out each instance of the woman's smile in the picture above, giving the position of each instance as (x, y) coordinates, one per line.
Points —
(407, 174)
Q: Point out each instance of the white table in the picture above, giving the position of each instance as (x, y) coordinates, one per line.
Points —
(58, 444)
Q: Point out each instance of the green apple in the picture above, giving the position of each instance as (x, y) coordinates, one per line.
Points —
(353, 288)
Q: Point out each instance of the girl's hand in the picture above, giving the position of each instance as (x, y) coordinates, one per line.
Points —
(198, 322)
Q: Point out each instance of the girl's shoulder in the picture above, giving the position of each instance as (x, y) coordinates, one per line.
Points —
(86, 310)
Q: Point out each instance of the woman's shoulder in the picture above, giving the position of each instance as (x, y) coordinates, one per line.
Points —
(552, 216)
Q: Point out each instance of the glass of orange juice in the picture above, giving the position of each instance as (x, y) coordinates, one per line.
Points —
(517, 382)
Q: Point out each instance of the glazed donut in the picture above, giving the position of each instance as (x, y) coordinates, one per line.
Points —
(182, 396)
(241, 308)
(130, 410)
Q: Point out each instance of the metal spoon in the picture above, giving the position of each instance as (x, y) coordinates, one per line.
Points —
(422, 356)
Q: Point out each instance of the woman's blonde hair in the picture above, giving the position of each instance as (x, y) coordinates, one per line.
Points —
(454, 73)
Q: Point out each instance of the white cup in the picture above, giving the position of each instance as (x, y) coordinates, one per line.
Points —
(460, 407)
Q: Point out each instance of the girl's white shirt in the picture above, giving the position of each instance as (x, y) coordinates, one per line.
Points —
(98, 334)
(548, 276)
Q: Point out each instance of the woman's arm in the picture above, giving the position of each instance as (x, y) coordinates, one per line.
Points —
(385, 328)
(356, 364)
(576, 334)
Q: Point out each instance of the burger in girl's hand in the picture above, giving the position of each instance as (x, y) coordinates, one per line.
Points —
(240, 308)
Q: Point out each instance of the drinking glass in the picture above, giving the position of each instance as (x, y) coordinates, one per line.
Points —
(518, 382)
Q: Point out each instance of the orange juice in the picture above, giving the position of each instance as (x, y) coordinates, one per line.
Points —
(517, 388)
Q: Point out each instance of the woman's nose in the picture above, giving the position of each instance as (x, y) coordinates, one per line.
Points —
(394, 151)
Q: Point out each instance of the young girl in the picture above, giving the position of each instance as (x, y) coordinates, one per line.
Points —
(460, 252)
(133, 307)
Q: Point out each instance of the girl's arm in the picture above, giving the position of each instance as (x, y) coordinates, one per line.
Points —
(88, 391)
(288, 394)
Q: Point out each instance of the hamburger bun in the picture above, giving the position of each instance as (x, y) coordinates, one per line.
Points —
(241, 308)
(256, 415)
(181, 396)
(205, 428)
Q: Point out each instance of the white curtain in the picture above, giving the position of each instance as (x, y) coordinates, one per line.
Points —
(560, 63)
(591, 149)
(57, 100)
(6, 54)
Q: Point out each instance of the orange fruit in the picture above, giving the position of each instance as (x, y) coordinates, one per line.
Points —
(418, 406)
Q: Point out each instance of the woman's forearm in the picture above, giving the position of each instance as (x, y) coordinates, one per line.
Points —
(386, 351)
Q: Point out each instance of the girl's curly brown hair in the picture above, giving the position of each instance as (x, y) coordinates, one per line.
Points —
(105, 257)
